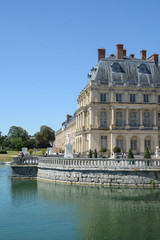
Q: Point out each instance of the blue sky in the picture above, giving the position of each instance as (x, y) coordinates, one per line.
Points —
(47, 48)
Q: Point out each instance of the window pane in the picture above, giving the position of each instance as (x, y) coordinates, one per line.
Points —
(119, 143)
(104, 142)
(147, 143)
(134, 145)
(118, 97)
(103, 119)
(147, 119)
(103, 97)
(146, 98)
(133, 119)
(119, 119)
(132, 98)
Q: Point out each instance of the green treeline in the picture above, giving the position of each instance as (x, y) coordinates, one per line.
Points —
(18, 137)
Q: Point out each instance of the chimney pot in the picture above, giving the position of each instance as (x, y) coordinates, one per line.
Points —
(119, 51)
(131, 55)
(143, 54)
(154, 58)
(101, 53)
(111, 55)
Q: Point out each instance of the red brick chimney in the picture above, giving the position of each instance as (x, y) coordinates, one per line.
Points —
(131, 55)
(101, 53)
(124, 52)
(119, 51)
(154, 58)
(143, 54)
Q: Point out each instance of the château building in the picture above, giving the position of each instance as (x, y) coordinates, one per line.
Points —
(120, 105)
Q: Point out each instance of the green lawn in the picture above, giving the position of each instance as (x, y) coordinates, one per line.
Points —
(8, 157)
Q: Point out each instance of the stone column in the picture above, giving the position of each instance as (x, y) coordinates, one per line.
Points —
(83, 120)
(155, 119)
(91, 118)
(141, 118)
(112, 118)
(127, 122)
(141, 140)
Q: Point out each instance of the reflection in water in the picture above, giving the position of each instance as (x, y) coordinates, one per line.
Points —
(108, 213)
(43, 211)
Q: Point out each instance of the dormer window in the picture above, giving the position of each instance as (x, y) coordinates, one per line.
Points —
(116, 67)
(142, 68)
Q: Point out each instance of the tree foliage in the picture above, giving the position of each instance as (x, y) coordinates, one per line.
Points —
(116, 149)
(95, 153)
(43, 137)
(130, 154)
(17, 132)
(147, 153)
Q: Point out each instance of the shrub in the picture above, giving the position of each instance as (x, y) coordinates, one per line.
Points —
(103, 149)
(2, 151)
(130, 154)
(90, 153)
(95, 153)
(43, 150)
(30, 151)
(116, 149)
(147, 153)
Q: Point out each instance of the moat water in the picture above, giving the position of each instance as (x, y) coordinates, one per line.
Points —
(42, 211)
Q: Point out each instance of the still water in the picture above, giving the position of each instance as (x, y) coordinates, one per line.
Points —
(42, 211)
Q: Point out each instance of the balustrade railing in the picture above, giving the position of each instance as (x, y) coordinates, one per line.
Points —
(116, 164)
(28, 160)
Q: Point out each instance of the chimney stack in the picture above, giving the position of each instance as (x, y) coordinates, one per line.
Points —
(101, 53)
(119, 51)
(124, 52)
(143, 54)
(131, 55)
(154, 58)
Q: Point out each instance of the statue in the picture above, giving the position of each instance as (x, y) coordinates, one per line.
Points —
(68, 147)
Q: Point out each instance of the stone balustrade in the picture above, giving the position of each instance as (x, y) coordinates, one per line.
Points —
(99, 163)
(26, 160)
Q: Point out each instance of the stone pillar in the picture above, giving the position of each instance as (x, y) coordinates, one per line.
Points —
(141, 140)
(91, 118)
(141, 119)
(83, 120)
(154, 117)
(127, 144)
(112, 118)
(127, 122)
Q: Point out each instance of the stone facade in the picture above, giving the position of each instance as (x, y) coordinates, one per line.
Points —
(120, 105)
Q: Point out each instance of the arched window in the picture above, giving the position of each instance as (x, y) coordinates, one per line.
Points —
(134, 144)
(119, 142)
(147, 143)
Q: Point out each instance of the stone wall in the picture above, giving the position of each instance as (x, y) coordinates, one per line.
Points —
(130, 178)
(24, 172)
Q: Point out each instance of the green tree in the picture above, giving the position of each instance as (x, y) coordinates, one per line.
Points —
(17, 132)
(147, 153)
(30, 143)
(16, 143)
(130, 154)
(43, 137)
(116, 149)
(95, 153)
(90, 153)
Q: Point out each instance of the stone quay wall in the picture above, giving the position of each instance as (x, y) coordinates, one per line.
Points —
(24, 172)
(107, 172)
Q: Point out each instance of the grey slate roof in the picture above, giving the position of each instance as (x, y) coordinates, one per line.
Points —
(127, 72)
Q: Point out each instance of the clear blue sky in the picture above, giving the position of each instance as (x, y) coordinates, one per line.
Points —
(47, 48)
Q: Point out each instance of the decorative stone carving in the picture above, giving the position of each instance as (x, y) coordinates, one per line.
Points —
(68, 148)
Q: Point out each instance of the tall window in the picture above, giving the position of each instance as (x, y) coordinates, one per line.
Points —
(133, 119)
(147, 143)
(146, 98)
(103, 97)
(119, 143)
(132, 98)
(118, 97)
(134, 144)
(159, 99)
(103, 119)
(158, 119)
(119, 119)
(147, 119)
(104, 142)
